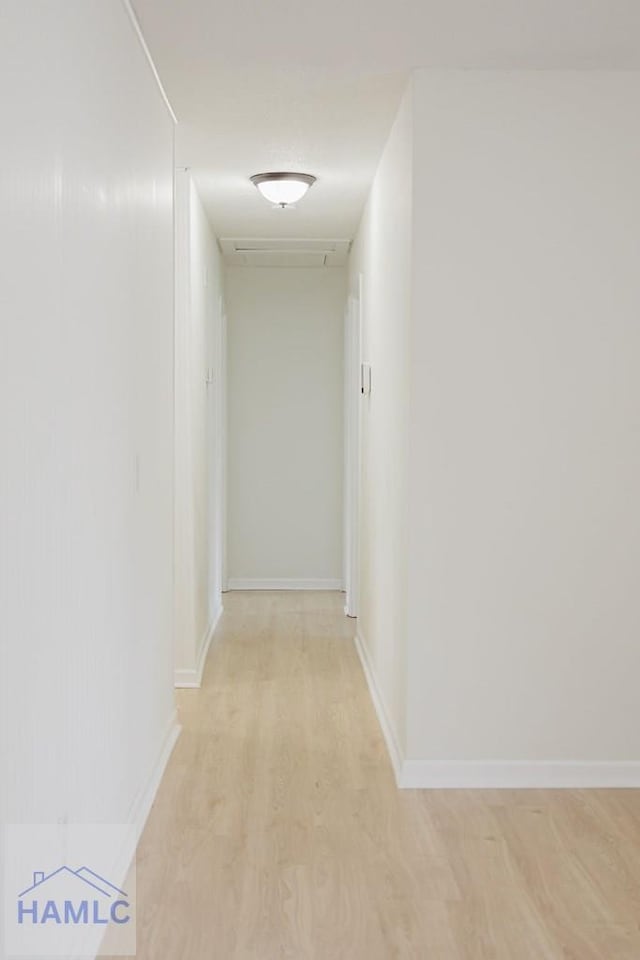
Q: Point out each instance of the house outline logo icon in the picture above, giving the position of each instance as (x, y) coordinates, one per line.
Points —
(72, 897)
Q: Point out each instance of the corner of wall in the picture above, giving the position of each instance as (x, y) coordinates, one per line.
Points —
(191, 677)
(389, 731)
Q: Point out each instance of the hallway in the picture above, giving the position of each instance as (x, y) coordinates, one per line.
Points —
(305, 313)
(278, 830)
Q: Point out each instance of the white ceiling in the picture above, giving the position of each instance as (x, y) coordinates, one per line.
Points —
(312, 121)
(276, 84)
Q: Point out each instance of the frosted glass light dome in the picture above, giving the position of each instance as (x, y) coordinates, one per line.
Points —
(283, 189)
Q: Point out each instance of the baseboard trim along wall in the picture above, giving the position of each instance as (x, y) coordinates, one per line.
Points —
(191, 679)
(88, 943)
(491, 775)
(513, 775)
(283, 584)
(388, 731)
(139, 811)
(144, 801)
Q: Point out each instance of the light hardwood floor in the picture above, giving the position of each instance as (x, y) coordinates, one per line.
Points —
(278, 831)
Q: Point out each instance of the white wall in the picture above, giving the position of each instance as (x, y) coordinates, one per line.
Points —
(382, 254)
(499, 625)
(198, 357)
(525, 450)
(285, 335)
(86, 407)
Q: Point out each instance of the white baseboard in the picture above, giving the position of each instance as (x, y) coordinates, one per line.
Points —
(88, 945)
(491, 775)
(243, 584)
(144, 801)
(518, 775)
(86, 939)
(388, 731)
(192, 678)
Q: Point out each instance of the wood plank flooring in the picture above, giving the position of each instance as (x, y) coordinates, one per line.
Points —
(278, 831)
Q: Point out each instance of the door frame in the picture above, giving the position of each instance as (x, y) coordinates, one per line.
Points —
(216, 381)
(222, 445)
(352, 431)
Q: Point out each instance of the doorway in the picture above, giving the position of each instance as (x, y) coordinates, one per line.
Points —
(286, 420)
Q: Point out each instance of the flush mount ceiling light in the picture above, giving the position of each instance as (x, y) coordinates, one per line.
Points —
(283, 189)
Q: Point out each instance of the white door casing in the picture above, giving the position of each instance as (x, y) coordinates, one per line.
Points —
(352, 453)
